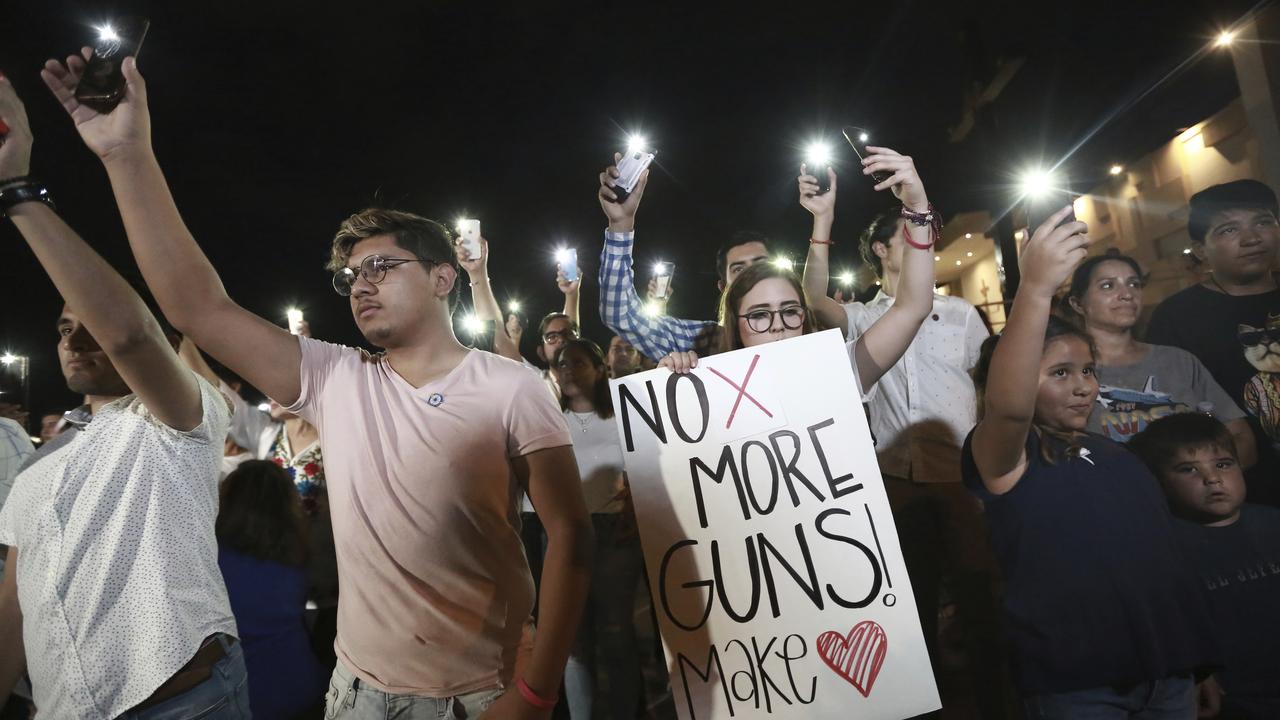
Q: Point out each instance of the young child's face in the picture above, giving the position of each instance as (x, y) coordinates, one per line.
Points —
(1205, 484)
(1068, 386)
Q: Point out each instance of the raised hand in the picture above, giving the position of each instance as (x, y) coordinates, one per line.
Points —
(15, 145)
(1052, 252)
(475, 266)
(567, 286)
(126, 127)
(622, 215)
(822, 206)
(903, 181)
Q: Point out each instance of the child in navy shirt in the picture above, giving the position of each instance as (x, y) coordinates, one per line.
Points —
(1234, 547)
(1104, 617)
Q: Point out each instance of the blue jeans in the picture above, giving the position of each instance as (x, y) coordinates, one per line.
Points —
(350, 698)
(602, 679)
(224, 696)
(1173, 698)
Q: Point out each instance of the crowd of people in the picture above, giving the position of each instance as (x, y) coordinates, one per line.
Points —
(439, 531)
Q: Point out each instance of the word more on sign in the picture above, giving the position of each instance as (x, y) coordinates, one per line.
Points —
(773, 560)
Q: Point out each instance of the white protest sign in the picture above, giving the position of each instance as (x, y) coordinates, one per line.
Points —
(775, 568)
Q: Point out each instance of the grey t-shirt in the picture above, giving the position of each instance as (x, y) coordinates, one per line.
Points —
(1168, 380)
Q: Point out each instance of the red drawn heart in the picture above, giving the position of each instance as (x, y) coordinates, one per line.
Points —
(858, 656)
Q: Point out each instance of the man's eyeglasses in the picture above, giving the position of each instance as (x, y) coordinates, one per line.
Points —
(556, 336)
(761, 320)
(373, 269)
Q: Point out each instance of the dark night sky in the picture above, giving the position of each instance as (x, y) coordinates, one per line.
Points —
(273, 121)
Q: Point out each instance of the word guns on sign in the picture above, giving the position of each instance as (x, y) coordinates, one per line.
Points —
(773, 559)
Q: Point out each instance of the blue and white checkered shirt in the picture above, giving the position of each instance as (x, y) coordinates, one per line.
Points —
(655, 336)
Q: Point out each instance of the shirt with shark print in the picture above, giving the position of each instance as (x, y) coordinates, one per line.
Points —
(1165, 381)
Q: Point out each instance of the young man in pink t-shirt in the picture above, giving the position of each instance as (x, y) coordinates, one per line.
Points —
(427, 447)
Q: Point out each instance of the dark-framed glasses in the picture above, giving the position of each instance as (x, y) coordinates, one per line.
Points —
(373, 269)
(792, 317)
(553, 336)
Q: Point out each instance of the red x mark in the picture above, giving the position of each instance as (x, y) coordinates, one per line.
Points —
(742, 391)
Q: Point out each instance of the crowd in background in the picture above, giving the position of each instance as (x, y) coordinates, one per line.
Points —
(440, 531)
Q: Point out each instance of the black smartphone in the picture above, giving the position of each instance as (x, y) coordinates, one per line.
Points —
(102, 85)
(1043, 205)
(13, 382)
(858, 139)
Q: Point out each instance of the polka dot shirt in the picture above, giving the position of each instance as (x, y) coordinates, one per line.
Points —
(118, 574)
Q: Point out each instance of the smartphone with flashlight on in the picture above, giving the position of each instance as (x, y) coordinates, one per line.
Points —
(469, 237)
(817, 161)
(1042, 205)
(568, 260)
(102, 85)
(662, 274)
(633, 163)
(858, 139)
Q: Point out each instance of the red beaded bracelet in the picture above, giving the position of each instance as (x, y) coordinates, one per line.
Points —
(814, 241)
(931, 218)
(534, 698)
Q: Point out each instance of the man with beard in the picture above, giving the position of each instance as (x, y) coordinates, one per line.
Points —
(113, 582)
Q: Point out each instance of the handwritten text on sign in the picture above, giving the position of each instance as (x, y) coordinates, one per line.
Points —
(775, 567)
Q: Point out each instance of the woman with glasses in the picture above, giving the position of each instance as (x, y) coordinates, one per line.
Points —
(766, 302)
(606, 648)
(1141, 382)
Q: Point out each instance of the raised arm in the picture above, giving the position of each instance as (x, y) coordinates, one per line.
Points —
(572, 294)
(179, 275)
(484, 301)
(657, 335)
(106, 306)
(889, 337)
(817, 270)
(1013, 380)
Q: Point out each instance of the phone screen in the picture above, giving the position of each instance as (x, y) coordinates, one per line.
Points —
(102, 85)
(858, 139)
(568, 260)
(662, 273)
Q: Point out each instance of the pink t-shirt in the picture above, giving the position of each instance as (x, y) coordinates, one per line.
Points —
(435, 586)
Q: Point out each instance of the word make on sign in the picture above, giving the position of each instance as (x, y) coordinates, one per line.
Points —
(773, 559)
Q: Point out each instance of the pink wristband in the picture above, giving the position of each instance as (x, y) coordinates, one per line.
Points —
(534, 698)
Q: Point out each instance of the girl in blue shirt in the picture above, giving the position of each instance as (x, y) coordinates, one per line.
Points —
(1104, 619)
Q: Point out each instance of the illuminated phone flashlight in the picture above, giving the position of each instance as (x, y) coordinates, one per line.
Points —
(846, 278)
(513, 306)
(472, 324)
(783, 263)
(817, 155)
(652, 309)
(863, 137)
(295, 320)
(1036, 183)
(106, 33)
(636, 143)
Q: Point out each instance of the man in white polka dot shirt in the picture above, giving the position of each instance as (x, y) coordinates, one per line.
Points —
(113, 582)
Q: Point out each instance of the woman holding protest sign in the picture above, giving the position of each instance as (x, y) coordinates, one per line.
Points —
(766, 303)
(602, 676)
(1101, 611)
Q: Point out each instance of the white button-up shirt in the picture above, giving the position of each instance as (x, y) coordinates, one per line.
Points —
(926, 403)
(118, 575)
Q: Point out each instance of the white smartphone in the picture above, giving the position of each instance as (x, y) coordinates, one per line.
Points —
(629, 168)
(295, 320)
(662, 274)
(469, 234)
(568, 259)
